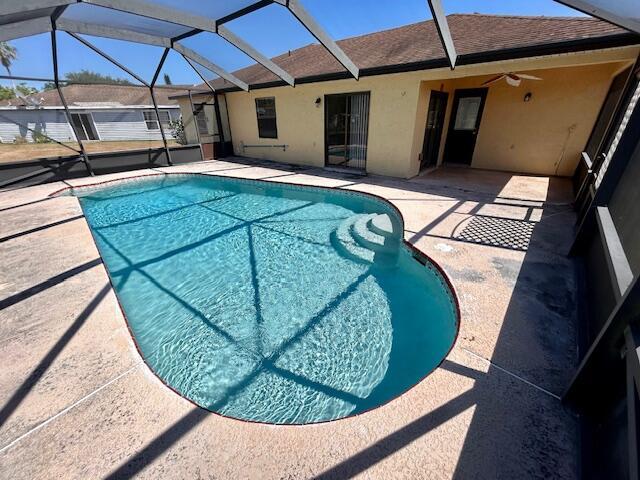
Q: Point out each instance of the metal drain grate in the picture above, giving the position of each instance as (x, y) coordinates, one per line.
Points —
(498, 232)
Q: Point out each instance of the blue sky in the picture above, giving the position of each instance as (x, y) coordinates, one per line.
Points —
(272, 30)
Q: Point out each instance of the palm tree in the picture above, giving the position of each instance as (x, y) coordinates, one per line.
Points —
(8, 54)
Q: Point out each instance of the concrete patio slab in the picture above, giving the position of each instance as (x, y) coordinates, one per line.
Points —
(77, 402)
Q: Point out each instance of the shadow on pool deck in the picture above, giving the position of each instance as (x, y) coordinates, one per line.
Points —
(536, 341)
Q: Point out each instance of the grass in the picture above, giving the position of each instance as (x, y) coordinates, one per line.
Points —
(11, 152)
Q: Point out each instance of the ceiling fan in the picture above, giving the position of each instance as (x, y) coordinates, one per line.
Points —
(513, 79)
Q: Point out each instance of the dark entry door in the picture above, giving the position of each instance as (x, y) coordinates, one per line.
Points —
(463, 127)
(433, 129)
(346, 130)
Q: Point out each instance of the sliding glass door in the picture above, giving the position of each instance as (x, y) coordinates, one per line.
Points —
(346, 130)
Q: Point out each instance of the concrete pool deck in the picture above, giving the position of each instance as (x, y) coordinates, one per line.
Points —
(77, 401)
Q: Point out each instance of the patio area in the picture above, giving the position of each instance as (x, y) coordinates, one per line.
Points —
(77, 401)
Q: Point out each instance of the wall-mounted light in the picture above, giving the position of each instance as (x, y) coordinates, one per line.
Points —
(318, 102)
(527, 96)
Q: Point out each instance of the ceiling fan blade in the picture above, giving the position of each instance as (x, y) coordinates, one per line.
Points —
(528, 77)
(493, 80)
(513, 80)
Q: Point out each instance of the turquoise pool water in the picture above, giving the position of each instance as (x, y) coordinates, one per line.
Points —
(268, 302)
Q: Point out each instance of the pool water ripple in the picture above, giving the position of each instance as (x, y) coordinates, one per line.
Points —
(239, 298)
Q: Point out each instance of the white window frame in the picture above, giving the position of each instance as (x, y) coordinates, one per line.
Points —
(149, 117)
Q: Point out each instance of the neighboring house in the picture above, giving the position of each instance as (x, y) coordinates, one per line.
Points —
(409, 111)
(100, 112)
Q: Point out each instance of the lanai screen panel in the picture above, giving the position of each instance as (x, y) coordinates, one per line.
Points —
(214, 10)
(625, 13)
(114, 18)
(92, 14)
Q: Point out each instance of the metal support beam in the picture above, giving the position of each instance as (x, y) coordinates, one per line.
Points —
(157, 12)
(615, 256)
(632, 337)
(28, 79)
(596, 378)
(199, 74)
(243, 11)
(8, 7)
(27, 28)
(318, 32)
(200, 60)
(216, 106)
(107, 57)
(56, 79)
(604, 13)
(197, 23)
(109, 32)
(620, 158)
(195, 124)
(216, 109)
(155, 103)
(240, 44)
(440, 19)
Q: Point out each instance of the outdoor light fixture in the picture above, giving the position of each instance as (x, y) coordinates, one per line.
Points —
(527, 96)
(318, 101)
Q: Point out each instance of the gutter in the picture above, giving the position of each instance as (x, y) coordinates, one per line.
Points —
(571, 46)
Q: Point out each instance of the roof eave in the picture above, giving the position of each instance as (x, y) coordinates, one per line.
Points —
(538, 50)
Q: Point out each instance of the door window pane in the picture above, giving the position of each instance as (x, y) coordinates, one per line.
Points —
(468, 108)
(346, 129)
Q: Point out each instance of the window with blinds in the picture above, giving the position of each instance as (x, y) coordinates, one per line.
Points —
(266, 113)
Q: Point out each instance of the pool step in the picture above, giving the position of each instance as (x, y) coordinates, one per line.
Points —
(381, 224)
(365, 237)
(347, 245)
(355, 240)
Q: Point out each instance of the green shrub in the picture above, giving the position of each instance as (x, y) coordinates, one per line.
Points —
(177, 131)
(40, 137)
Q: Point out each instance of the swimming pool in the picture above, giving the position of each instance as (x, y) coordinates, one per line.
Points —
(270, 302)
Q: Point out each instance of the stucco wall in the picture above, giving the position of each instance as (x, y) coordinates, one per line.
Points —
(542, 136)
(393, 103)
(546, 134)
(514, 135)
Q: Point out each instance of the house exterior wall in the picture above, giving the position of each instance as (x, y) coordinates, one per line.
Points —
(543, 136)
(14, 123)
(514, 136)
(300, 123)
(128, 124)
(111, 125)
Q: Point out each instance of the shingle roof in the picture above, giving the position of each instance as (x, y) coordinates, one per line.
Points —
(100, 95)
(419, 42)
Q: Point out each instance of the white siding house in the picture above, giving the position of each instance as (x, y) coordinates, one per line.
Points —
(14, 123)
(104, 113)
